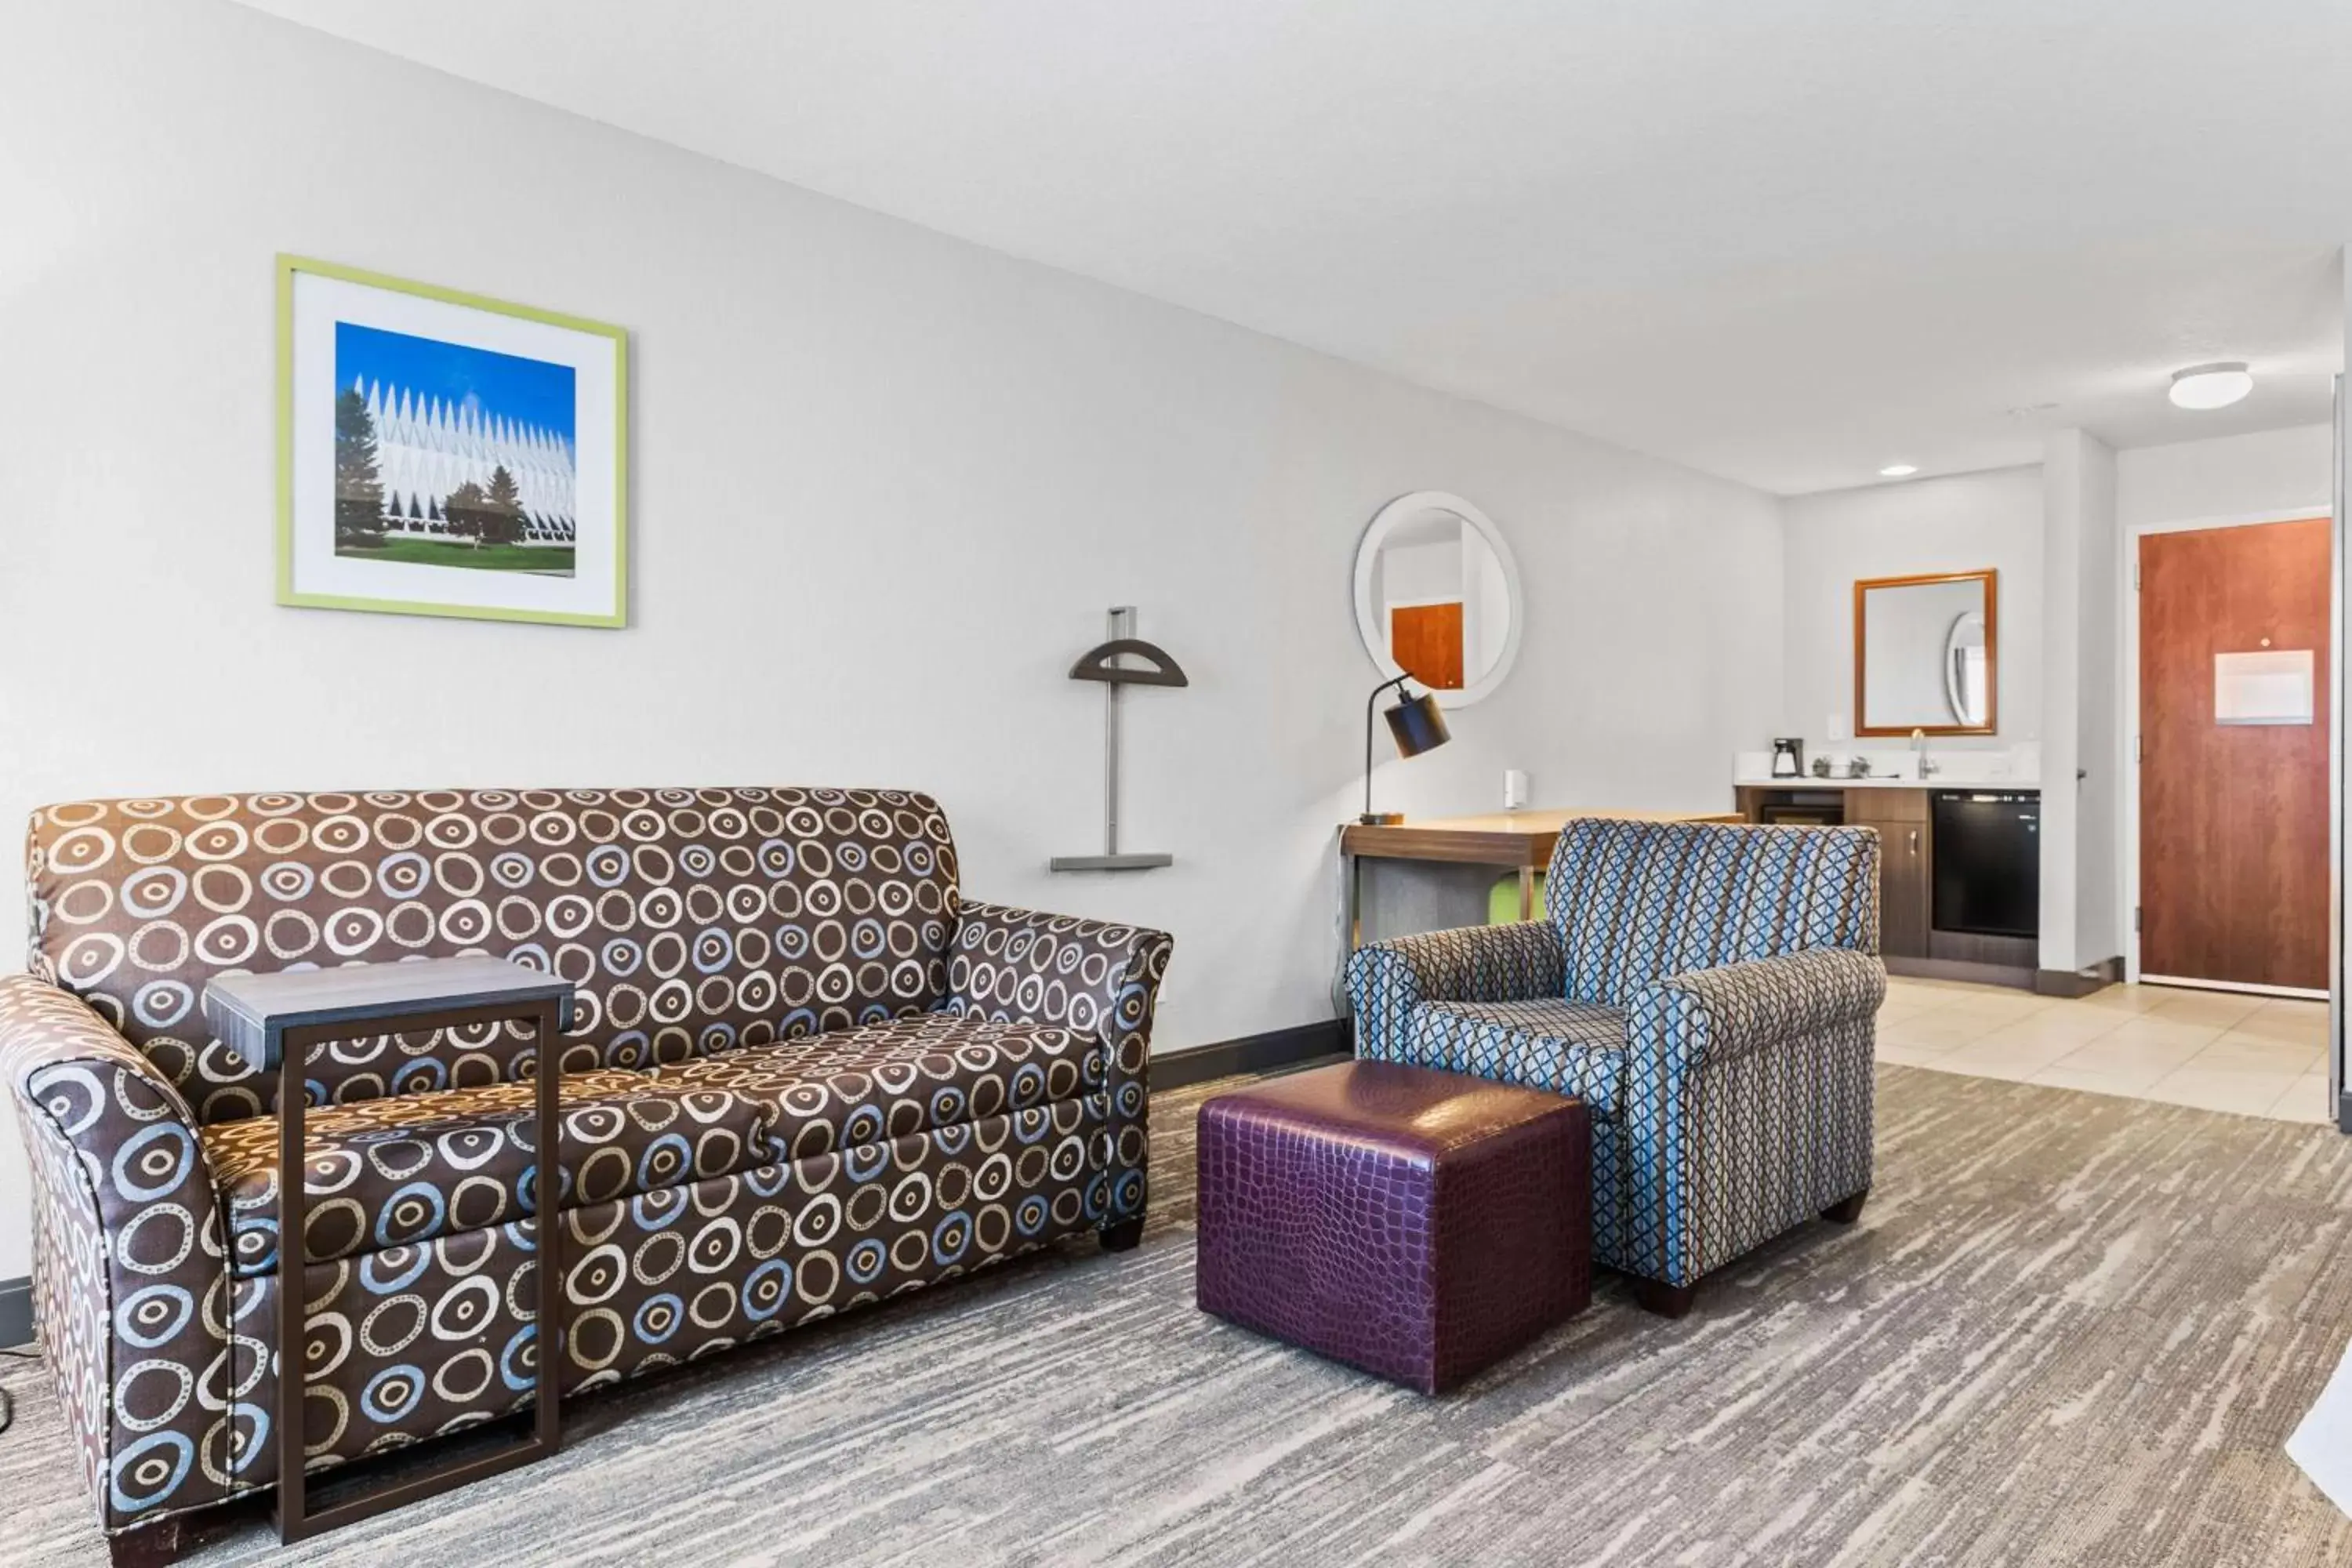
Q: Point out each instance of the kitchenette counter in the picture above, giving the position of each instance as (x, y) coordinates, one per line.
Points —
(1932, 781)
(1959, 861)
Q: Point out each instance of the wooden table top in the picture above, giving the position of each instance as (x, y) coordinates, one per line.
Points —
(250, 1014)
(1497, 838)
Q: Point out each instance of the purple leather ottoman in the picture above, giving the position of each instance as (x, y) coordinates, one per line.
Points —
(1419, 1225)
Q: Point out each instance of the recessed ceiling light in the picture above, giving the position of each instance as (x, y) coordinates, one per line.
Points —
(1898, 470)
(2210, 385)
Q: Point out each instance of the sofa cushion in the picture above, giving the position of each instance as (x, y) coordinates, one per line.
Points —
(1567, 1047)
(386, 1171)
(894, 1080)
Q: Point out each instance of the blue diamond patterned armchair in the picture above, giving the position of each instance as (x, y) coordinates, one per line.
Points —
(1709, 992)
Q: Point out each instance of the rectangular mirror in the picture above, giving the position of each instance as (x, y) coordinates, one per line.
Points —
(1926, 656)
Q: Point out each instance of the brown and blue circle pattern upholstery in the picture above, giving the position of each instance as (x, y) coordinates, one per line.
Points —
(403, 1169)
(887, 1080)
(413, 1341)
(131, 1283)
(803, 1075)
(1096, 980)
(1711, 993)
(692, 920)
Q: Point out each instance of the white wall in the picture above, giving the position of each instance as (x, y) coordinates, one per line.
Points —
(1962, 523)
(2228, 479)
(886, 484)
(2081, 693)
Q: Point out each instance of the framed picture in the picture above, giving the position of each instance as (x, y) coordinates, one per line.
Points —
(441, 454)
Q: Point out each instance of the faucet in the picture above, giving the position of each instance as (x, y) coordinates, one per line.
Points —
(1927, 768)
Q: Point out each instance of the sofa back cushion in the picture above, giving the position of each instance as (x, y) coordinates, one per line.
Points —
(692, 919)
(1636, 902)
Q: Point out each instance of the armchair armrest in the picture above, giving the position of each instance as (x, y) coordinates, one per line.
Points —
(1712, 1015)
(1386, 979)
(1099, 979)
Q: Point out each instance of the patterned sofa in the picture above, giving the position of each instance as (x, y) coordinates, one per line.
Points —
(1709, 992)
(803, 1074)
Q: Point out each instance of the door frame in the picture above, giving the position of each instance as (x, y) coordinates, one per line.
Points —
(2128, 764)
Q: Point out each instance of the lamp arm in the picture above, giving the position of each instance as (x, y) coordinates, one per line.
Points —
(1369, 704)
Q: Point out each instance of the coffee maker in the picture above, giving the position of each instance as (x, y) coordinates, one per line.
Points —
(1787, 759)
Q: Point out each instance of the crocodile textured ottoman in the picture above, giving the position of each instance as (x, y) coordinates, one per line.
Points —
(1419, 1225)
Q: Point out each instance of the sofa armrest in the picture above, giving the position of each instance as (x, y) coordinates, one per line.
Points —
(1707, 1016)
(1027, 967)
(126, 1122)
(1386, 979)
(128, 1250)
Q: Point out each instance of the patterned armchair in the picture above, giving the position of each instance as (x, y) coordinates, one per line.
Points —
(803, 1074)
(1709, 992)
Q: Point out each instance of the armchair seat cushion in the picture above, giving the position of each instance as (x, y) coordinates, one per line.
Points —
(384, 1172)
(1575, 1048)
(897, 1079)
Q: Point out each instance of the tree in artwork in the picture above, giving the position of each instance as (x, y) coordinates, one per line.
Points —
(502, 521)
(468, 511)
(359, 489)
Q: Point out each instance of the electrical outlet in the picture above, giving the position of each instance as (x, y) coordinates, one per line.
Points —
(1514, 789)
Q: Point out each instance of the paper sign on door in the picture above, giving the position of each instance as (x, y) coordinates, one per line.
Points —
(2273, 687)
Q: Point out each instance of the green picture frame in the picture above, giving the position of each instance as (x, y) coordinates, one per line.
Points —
(444, 453)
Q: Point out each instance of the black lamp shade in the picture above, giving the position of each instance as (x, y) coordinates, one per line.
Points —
(1418, 725)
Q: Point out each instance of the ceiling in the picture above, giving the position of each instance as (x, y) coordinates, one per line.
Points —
(1787, 243)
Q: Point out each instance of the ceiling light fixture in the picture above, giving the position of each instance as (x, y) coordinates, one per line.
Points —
(2202, 386)
(1898, 470)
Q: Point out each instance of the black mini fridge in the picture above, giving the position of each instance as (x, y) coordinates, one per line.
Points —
(1987, 863)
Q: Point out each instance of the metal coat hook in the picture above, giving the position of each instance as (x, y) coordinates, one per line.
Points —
(1102, 663)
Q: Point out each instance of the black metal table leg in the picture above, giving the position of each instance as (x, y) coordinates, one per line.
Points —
(547, 1377)
(293, 1260)
(295, 1520)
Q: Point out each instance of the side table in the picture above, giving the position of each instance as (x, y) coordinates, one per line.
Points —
(272, 1021)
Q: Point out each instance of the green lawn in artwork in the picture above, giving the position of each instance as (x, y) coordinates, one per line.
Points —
(549, 560)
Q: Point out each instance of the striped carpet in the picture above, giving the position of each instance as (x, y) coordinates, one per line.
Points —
(2070, 1329)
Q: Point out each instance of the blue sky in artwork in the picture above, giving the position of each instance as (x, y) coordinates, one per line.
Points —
(528, 391)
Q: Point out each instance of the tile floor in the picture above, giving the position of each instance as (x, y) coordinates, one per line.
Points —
(2215, 1050)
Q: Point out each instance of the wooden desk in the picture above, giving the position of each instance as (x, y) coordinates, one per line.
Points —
(1514, 840)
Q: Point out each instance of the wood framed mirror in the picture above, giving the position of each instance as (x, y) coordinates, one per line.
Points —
(1926, 654)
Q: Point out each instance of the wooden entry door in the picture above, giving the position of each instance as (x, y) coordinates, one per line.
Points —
(2232, 817)
(1426, 642)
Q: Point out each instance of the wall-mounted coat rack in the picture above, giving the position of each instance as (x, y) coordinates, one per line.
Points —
(1104, 662)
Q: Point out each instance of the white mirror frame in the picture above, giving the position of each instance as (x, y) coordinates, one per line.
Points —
(1413, 508)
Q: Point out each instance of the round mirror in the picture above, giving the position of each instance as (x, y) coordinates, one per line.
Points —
(1437, 596)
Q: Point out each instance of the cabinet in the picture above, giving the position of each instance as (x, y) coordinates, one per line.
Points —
(1905, 818)
(1906, 886)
